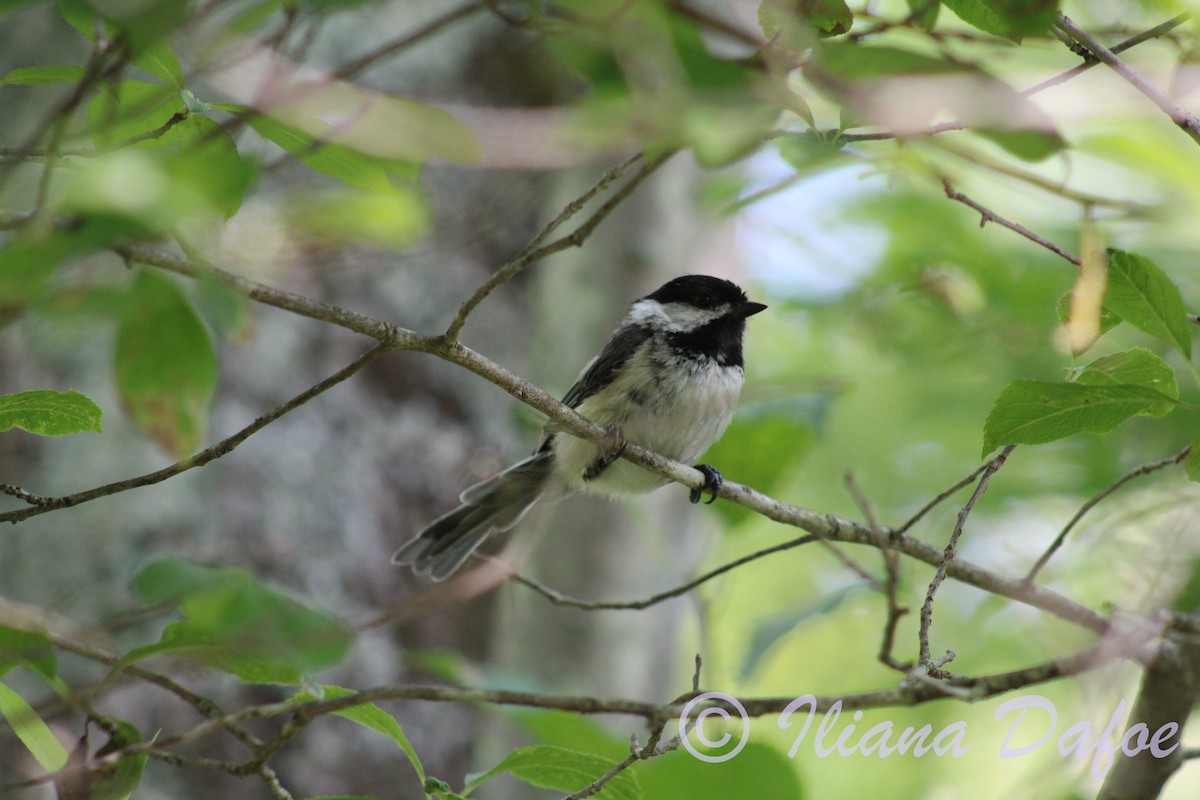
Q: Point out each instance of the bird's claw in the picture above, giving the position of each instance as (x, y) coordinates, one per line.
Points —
(712, 484)
(613, 446)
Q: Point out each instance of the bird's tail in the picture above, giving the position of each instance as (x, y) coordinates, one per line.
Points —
(492, 506)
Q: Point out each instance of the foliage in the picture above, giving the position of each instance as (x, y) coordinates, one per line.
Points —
(938, 333)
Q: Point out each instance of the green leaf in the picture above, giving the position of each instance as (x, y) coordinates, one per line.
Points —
(232, 623)
(23, 648)
(1034, 412)
(924, 12)
(160, 61)
(394, 218)
(166, 370)
(37, 76)
(49, 413)
(759, 771)
(335, 160)
(1140, 293)
(370, 716)
(847, 60)
(1192, 465)
(203, 166)
(563, 770)
(135, 108)
(1137, 367)
(120, 781)
(1028, 145)
(1012, 19)
(32, 732)
(826, 17)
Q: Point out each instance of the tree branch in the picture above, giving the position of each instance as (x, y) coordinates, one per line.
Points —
(41, 505)
(1187, 121)
(1092, 502)
(535, 251)
(987, 215)
(948, 554)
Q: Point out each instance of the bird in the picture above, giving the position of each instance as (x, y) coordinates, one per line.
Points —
(668, 379)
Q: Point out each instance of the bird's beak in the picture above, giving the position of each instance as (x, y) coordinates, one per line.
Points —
(748, 309)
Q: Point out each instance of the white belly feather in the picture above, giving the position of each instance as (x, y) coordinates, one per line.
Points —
(679, 417)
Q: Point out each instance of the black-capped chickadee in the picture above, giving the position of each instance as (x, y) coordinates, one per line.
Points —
(668, 379)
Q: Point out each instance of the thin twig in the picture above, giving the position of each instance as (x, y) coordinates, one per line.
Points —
(1186, 120)
(363, 62)
(1094, 500)
(986, 215)
(535, 251)
(941, 498)
(975, 689)
(891, 565)
(948, 556)
(560, 599)
(221, 448)
(1145, 36)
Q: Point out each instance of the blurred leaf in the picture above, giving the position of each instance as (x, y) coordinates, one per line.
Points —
(37, 76)
(549, 767)
(383, 126)
(232, 623)
(809, 152)
(1012, 19)
(771, 630)
(33, 733)
(1187, 601)
(394, 218)
(49, 413)
(827, 17)
(1137, 367)
(572, 731)
(765, 441)
(925, 12)
(203, 162)
(119, 781)
(160, 61)
(850, 61)
(373, 717)
(226, 310)
(134, 109)
(29, 258)
(142, 24)
(1192, 465)
(337, 161)
(1028, 145)
(165, 368)
(1034, 412)
(1141, 294)
(22, 648)
(758, 771)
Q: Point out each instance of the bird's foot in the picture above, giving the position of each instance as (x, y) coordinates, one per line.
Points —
(712, 484)
(611, 448)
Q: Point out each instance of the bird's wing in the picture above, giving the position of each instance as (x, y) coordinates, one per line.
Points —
(600, 371)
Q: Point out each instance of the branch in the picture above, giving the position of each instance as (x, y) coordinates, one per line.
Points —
(533, 252)
(989, 470)
(986, 215)
(891, 565)
(1179, 115)
(1121, 644)
(360, 64)
(1133, 41)
(40, 505)
(1136, 472)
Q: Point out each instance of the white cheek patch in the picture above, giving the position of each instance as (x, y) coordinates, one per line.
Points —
(673, 316)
